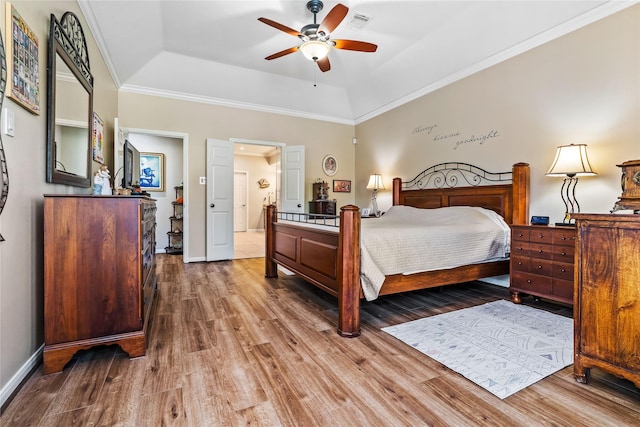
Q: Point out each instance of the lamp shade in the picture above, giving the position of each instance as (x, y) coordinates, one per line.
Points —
(315, 50)
(571, 160)
(375, 182)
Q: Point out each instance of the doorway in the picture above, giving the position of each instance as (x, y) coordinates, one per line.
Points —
(176, 168)
(262, 189)
(256, 184)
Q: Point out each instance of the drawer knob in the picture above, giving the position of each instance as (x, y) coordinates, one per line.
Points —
(539, 267)
(519, 262)
(541, 236)
(563, 253)
(529, 281)
(563, 270)
(539, 251)
(520, 234)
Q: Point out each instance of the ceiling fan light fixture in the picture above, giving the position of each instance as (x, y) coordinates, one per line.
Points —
(315, 50)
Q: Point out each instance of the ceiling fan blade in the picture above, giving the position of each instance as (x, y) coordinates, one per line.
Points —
(324, 64)
(280, 27)
(334, 17)
(282, 53)
(355, 45)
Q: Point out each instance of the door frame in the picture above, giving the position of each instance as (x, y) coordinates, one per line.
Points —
(185, 179)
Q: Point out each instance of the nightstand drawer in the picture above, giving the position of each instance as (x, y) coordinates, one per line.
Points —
(562, 271)
(520, 249)
(540, 266)
(563, 289)
(520, 263)
(540, 251)
(563, 253)
(540, 235)
(527, 282)
(564, 237)
(520, 234)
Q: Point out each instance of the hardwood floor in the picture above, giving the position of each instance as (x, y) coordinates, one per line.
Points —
(229, 347)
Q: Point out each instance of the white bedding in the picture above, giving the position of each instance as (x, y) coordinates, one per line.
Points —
(409, 240)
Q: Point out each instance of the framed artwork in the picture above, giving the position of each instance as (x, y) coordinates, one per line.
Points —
(329, 165)
(22, 61)
(152, 171)
(341, 186)
(97, 139)
(365, 212)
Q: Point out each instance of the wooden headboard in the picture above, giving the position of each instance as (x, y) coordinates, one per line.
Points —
(462, 184)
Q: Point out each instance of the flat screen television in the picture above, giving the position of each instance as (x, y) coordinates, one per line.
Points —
(131, 167)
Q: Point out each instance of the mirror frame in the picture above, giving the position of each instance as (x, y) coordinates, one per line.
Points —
(66, 39)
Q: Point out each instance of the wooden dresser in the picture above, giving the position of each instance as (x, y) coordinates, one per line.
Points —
(607, 308)
(324, 207)
(542, 259)
(99, 274)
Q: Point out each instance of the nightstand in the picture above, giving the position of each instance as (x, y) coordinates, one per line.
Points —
(542, 262)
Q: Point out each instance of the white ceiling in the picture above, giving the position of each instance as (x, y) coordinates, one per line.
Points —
(213, 51)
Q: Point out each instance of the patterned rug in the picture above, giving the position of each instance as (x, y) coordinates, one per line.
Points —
(500, 346)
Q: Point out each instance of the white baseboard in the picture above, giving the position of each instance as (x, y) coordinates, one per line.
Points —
(19, 376)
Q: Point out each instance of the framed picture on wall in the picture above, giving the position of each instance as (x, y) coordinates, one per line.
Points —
(97, 139)
(21, 46)
(341, 186)
(152, 174)
(329, 165)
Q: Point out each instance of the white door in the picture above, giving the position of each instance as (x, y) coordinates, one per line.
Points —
(119, 136)
(240, 201)
(293, 178)
(219, 200)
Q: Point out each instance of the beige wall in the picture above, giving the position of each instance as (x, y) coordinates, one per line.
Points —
(581, 88)
(202, 121)
(21, 255)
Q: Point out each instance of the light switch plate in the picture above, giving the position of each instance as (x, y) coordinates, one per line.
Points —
(8, 122)
(203, 180)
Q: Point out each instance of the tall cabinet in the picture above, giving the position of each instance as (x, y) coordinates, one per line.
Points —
(607, 296)
(99, 274)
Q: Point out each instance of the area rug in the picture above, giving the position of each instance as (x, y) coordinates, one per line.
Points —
(501, 346)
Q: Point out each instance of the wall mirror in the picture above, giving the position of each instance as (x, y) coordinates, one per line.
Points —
(69, 104)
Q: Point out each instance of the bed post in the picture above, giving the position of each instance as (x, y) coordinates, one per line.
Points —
(270, 267)
(397, 186)
(520, 184)
(349, 272)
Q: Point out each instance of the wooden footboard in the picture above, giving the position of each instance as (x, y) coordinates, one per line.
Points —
(328, 259)
(331, 260)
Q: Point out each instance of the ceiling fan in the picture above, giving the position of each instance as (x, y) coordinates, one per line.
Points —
(315, 37)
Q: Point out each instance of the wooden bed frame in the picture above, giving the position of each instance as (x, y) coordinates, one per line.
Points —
(331, 260)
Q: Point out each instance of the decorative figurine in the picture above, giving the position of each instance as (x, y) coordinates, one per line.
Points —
(102, 181)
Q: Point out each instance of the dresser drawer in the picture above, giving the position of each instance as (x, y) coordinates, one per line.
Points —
(541, 267)
(520, 249)
(541, 251)
(562, 271)
(528, 282)
(541, 235)
(520, 234)
(563, 253)
(519, 263)
(563, 289)
(564, 237)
